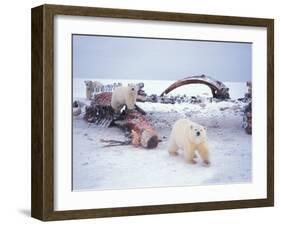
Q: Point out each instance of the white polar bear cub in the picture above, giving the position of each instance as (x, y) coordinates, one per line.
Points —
(124, 95)
(189, 136)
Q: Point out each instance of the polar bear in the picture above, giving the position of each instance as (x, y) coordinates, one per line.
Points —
(124, 95)
(189, 136)
(92, 86)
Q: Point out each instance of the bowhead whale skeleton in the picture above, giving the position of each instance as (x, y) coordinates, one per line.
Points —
(138, 129)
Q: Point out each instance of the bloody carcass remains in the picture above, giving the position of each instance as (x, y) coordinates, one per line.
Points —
(134, 122)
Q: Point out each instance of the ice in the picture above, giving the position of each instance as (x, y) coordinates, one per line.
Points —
(125, 167)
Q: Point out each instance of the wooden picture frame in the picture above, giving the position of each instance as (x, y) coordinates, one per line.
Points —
(42, 203)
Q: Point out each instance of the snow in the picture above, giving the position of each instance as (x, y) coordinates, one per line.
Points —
(125, 167)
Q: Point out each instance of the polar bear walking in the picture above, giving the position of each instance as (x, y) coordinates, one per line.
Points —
(189, 136)
(124, 95)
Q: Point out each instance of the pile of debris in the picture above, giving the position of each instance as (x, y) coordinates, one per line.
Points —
(247, 118)
(181, 99)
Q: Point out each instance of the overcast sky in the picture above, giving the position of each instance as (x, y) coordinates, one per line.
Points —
(142, 59)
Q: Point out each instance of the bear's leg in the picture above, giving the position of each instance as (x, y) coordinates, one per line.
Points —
(130, 102)
(130, 105)
(203, 151)
(115, 104)
(172, 148)
(189, 153)
(195, 155)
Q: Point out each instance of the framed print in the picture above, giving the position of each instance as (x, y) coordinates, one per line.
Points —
(142, 112)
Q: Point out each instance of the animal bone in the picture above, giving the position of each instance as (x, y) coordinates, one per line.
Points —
(101, 113)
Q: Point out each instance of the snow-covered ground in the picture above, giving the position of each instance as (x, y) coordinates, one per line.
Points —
(124, 167)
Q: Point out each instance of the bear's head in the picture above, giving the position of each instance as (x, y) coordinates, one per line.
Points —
(133, 90)
(197, 133)
(88, 84)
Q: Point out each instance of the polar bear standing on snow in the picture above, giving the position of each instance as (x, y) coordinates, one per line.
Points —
(124, 95)
(189, 136)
